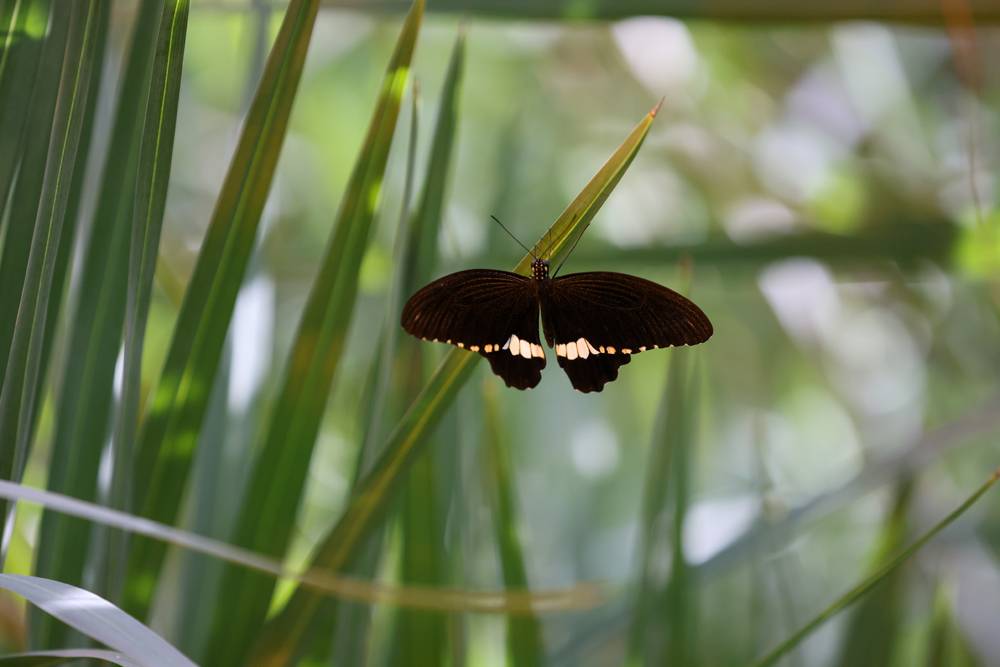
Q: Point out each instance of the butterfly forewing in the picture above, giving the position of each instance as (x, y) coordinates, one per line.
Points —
(595, 321)
(494, 313)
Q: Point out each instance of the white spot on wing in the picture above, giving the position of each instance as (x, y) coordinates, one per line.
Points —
(561, 350)
(525, 349)
(581, 347)
(571, 350)
(592, 349)
(536, 351)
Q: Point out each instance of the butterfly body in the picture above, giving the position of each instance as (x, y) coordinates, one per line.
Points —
(594, 322)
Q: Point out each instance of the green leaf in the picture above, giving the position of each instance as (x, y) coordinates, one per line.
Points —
(665, 487)
(56, 658)
(41, 93)
(873, 629)
(274, 491)
(152, 178)
(20, 57)
(97, 618)
(874, 579)
(340, 633)
(525, 644)
(422, 635)
(85, 401)
(177, 407)
(282, 634)
(23, 376)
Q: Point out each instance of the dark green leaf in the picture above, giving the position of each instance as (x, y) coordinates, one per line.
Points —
(177, 407)
(276, 482)
(152, 178)
(525, 644)
(23, 377)
(338, 547)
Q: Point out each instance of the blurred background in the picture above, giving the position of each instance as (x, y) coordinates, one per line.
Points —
(825, 191)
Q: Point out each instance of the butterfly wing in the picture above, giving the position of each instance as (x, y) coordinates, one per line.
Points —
(596, 321)
(494, 313)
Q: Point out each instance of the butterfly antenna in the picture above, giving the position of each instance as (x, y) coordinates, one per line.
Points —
(514, 237)
(571, 249)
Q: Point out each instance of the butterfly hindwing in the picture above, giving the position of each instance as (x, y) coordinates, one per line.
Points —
(595, 321)
(494, 313)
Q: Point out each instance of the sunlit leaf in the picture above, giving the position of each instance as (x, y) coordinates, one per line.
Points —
(276, 482)
(170, 429)
(338, 547)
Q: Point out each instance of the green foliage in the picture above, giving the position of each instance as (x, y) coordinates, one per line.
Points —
(438, 524)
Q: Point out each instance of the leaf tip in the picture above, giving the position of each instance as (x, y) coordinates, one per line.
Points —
(656, 109)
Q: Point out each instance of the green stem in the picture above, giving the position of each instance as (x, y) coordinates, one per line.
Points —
(873, 580)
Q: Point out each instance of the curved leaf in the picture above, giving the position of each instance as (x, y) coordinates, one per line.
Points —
(97, 618)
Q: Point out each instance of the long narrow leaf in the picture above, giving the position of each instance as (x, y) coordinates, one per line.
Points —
(97, 618)
(41, 100)
(169, 431)
(155, 153)
(647, 637)
(338, 547)
(56, 658)
(873, 630)
(23, 376)
(579, 597)
(275, 487)
(525, 644)
(340, 634)
(425, 506)
(84, 403)
(874, 579)
(20, 56)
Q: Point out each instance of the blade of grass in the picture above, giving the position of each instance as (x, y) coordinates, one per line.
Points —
(677, 603)
(647, 641)
(873, 629)
(20, 57)
(169, 432)
(422, 636)
(340, 632)
(946, 645)
(85, 400)
(283, 633)
(275, 486)
(25, 198)
(581, 596)
(23, 377)
(153, 176)
(525, 643)
(55, 658)
(97, 618)
(876, 578)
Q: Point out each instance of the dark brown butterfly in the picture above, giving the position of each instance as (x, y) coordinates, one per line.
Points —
(593, 321)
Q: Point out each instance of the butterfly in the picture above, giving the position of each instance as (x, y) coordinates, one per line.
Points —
(593, 321)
